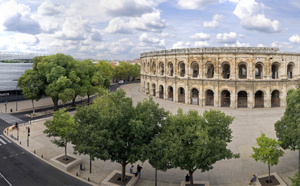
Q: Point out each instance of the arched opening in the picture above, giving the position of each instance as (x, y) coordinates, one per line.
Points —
(209, 70)
(259, 99)
(258, 71)
(290, 69)
(195, 69)
(242, 99)
(170, 93)
(275, 67)
(153, 90)
(275, 99)
(161, 68)
(209, 98)
(153, 68)
(225, 70)
(181, 95)
(194, 97)
(171, 69)
(161, 92)
(225, 98)
(182, 69)
(242, 71)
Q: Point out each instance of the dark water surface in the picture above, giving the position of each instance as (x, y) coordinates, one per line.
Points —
(9, 74)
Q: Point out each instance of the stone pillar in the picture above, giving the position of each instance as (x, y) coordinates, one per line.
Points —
(250, 99)
(217, 97)
(283, 95)
(201, 96)
(267, 100)
(233, 100)
(187, 94)
(175, 95)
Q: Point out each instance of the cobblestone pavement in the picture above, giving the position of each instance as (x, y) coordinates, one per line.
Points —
(247, 126)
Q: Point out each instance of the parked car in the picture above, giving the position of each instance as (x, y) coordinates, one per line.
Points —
(121, 82)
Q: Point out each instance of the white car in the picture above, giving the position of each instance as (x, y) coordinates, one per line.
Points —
(121, 82)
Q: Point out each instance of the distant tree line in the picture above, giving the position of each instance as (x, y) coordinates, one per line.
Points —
(61, 77)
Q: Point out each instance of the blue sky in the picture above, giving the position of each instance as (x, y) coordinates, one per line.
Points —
(122, 29)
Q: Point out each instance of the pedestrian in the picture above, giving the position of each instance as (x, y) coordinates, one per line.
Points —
(253, 179)
(131, 169)
(139, 169)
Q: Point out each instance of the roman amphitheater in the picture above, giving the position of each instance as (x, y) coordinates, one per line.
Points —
(235, 77)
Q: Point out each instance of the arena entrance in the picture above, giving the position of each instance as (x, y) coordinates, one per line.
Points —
(154, 90)
(161, 92)
(275, 99)
(259, 99)
(225, 98)
(195, 97)
(209, 98)
(242, 99)
(181, 95)
(170, 93)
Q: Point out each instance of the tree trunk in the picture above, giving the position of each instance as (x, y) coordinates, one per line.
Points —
(66, 151)
(191, 177)
(269, 174)
(55, 102)
(32, 106)
(155, 177)
(90, 164)
(73, 102)
(299, 161)
(123, 171)
(88, 98)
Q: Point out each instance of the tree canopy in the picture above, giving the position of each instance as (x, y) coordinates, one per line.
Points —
(113, 129)
(268, 151)
(200, 140)
(62, 126)
(288, 127)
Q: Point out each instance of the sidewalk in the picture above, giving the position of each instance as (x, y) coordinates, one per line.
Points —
(237, 172)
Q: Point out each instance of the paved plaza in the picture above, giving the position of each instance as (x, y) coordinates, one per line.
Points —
(246, 127)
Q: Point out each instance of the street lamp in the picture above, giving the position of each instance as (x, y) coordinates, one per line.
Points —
(16, 98)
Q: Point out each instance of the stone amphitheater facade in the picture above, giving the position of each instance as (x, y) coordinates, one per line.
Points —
(235, 77)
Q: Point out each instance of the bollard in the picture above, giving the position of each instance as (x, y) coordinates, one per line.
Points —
(76, 173)
(42, 156)
(88, 178)
(34, 152)
(20, 143)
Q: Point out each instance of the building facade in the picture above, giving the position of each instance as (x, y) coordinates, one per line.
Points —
(235, 77)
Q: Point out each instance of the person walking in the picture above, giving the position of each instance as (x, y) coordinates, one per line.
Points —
(131, 169)
(139, 169)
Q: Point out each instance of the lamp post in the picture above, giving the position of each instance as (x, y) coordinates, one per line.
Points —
(16, 99)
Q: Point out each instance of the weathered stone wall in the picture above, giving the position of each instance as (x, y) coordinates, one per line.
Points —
(234, 75)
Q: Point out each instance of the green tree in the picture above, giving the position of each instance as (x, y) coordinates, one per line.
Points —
(117, 130)
(105, 69)
(62, 127)
(288, 127)
(122, 71)
(32, 85)
(135, 70)
(268, 151)
(296, 179)
(200, 140)
(56, 69)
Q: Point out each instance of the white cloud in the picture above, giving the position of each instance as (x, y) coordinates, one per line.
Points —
(252, 18)
(214, 23)
(74, 29)
(201, 44)
(260, 45)
(150, 22)
(20, 42)
(200, 4)
(181, 44)
(238, 44)
(200, 37)
(146, 42)
(228, 38)
(49, 8)
(279, 44)
(123, 45)
(295, 39)
(165, 34)
(17, 17)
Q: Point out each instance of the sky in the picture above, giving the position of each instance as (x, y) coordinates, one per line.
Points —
(123, 29)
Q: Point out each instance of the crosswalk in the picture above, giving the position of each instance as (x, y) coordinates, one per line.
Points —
(10, 118)
(4, 140)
